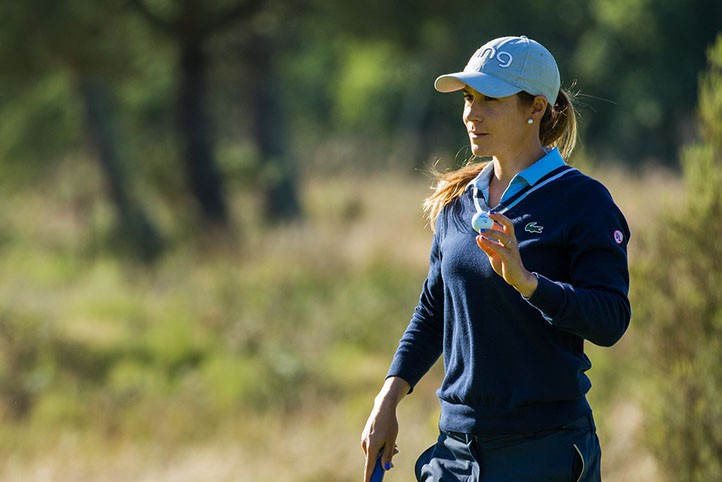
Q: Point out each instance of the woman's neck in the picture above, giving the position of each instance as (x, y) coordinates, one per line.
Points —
(506, 167)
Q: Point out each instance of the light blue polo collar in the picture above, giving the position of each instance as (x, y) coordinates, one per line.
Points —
(528, 177)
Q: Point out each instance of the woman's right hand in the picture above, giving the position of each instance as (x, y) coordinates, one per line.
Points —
(382, 427)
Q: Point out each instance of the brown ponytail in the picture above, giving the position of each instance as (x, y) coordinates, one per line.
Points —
(558, 129)
(559, 124)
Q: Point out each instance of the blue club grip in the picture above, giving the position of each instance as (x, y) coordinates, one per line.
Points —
(378, 473)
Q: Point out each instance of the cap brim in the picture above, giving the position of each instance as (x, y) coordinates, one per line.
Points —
(486, 84)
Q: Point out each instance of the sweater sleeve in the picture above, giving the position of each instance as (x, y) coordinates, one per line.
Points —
(422, 342)
(594, 303)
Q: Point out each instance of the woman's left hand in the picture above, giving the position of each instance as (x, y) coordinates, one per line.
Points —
(502, 248)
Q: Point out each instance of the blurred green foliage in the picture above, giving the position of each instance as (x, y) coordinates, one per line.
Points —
(679, 303)
(348, 66)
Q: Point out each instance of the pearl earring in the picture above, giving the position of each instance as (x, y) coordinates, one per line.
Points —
(530, 121)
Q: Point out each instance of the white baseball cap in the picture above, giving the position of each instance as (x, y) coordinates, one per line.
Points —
(506, 66)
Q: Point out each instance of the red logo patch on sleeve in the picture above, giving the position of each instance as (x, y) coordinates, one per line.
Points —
(618, 236)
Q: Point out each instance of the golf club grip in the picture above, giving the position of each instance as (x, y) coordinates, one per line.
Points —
(378, 473)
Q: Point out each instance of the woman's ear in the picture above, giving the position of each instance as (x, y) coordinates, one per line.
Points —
(539, 106)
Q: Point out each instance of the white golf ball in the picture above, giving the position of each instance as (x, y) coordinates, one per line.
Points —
(481, 221)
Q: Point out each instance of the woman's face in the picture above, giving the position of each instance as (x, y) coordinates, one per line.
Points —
(496, 126)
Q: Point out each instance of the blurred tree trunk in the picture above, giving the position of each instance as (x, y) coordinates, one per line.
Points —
(271, 133)
(134, 226)
(190, 28)
(196, 133)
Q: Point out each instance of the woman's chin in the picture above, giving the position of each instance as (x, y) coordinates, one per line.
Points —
(478, 151)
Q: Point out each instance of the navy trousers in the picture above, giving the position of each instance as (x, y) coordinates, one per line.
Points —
(568, 454)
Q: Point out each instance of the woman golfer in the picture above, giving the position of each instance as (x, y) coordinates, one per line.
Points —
(509, 301)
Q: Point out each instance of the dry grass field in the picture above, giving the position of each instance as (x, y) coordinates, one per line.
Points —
(297, 313)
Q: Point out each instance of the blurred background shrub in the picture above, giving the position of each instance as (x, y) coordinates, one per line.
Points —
(679, 305)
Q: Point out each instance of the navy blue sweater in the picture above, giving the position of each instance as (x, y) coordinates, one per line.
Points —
(517, 365)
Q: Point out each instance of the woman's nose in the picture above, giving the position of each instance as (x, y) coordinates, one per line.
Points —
(472, 112)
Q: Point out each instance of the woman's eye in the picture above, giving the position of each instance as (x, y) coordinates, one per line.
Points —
(489, 99)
